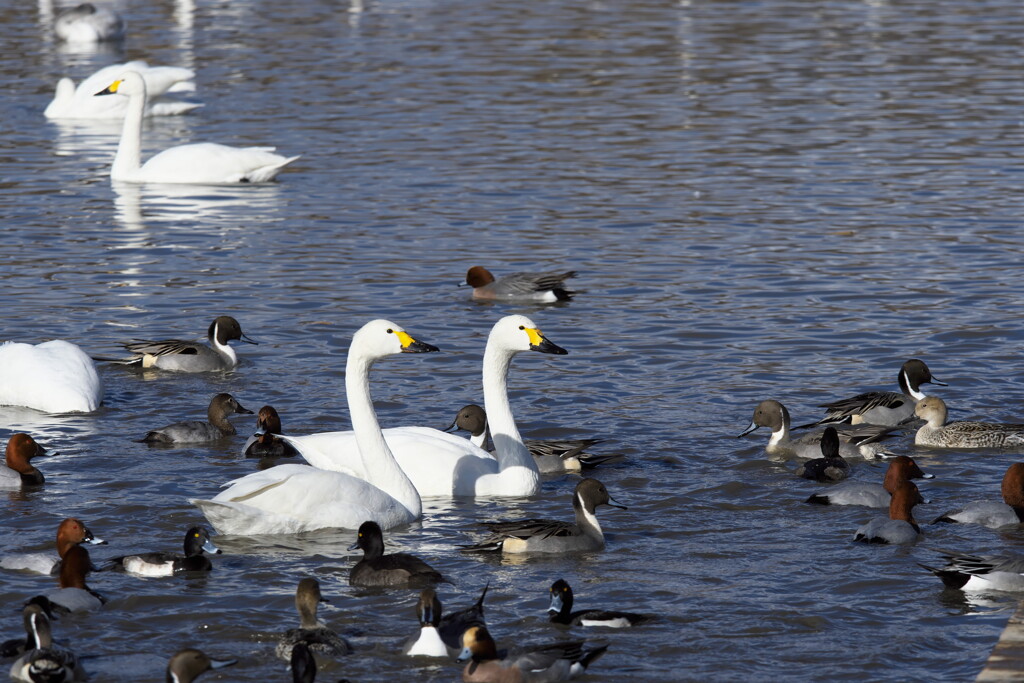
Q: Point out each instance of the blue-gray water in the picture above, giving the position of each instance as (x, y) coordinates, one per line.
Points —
(774, 199)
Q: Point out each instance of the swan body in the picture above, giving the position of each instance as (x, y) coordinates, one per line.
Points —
(52, 377)
(87, 23)
(444, 465)
(70, 102)
(292, 498)
(202, 163)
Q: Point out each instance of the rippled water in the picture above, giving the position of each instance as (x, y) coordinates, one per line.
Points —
(777, 199)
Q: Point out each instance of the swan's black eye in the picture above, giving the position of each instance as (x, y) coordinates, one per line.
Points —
(390, 331)
(522, 327)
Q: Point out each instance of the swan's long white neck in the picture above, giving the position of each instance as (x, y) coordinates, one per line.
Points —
(129, 150)
(379, 463)
(514, 459)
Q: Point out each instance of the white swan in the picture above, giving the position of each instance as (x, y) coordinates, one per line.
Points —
(70, 102)
(441, 464)
(87, 23)
(202, 163)
(52, 377)
(292, 498)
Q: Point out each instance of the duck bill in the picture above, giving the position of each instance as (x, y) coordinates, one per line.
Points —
(247, 340)
(452, 428)
(938, 383)
(615, 504)
(354, 546)
(464, 656)
(221, 663)
(746, 431)
(211, 548)
(242, 410)
(89, 538)
(556, 604)
(410, 345)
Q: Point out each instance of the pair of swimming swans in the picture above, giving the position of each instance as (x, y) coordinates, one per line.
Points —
(369, 474)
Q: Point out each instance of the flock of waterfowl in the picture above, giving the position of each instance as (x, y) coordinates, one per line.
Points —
(367, 479)
(855, 428)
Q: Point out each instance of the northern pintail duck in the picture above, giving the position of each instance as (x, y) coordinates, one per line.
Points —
(561, 611)
(197, 540)
(549, 536)
(71, 102)
(70, 532)
(981, 573)
(936, 432)
(310, 633)
(15, 647)
(445, 465)
(17, 470)
(831, 466)
(994, 514)
(287, 499)
(899, 527)
(202, 163)
(87, 23)
(427, 641)
(554, 662)
(539, 287)
(195, 431)
(901, 468)
(266, 442)
(551, 455)
(378, 569)
(188, 356)
(883, 407)
(52, 377)
(186, 665)
(854, 442)
(440, 634)
(44, 661)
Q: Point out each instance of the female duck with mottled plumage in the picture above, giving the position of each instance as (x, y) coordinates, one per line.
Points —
(936, 432)
(310, 633)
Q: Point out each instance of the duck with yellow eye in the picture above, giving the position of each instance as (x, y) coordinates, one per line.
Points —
(203, 163)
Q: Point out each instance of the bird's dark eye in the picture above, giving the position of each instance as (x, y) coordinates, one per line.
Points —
(522, 327)
(390, 331)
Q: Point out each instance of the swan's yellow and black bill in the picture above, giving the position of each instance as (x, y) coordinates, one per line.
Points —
(110, 89)
(410, 345)
(538, 342)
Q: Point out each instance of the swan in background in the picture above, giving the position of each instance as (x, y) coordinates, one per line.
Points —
(441, 464)
(52, 377)
(87, 23)
(70, 102)
(202, 163)
(291, 498)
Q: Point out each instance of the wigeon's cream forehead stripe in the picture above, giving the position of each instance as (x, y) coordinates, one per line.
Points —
(405, 339)
(536, 338)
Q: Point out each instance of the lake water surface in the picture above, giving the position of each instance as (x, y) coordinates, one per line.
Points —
(774, 199)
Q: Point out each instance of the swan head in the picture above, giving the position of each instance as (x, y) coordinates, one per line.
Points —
(379, 338)
(130, 83)
(518, 333)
